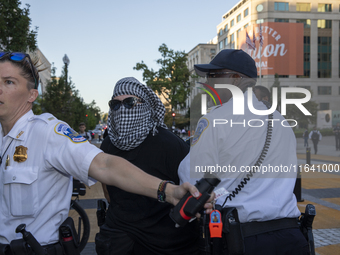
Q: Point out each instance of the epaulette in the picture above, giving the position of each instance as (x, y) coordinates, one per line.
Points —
(46, 117)
(213, 108)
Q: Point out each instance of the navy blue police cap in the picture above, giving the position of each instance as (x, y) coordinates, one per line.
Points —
(235, 60)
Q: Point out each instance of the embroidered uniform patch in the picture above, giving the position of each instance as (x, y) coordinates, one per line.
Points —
(201, 126)
(64, 130)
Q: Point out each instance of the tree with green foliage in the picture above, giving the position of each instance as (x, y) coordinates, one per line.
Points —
(292, 112)
(63, 101)
(172, 79)
(15, 33)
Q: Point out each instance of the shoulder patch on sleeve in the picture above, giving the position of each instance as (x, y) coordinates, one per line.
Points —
(201, 126)
(65, 130)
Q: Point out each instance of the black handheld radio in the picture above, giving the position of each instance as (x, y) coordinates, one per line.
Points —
(189, 205)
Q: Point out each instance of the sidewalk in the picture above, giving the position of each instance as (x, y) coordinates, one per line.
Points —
(320, 189)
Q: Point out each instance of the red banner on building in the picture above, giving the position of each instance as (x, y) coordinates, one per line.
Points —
(282, 50)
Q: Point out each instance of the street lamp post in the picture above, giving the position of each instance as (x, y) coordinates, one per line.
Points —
(66, 61)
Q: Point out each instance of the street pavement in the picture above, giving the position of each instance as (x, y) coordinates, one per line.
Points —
(320, 187)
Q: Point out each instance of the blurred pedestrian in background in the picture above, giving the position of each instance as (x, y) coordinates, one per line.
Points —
(315, 136)
(305, 137)
(83, 133)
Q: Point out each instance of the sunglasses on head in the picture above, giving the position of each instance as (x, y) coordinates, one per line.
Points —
(20, 57)
(127, 102)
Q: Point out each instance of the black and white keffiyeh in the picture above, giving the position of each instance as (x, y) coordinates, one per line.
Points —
(128, 128)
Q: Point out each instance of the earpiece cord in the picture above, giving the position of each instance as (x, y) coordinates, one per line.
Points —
(259, 160)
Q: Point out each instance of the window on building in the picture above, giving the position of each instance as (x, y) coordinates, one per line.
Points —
(323, 23)
(324, 106)
(246, 12)
(303, 7)
(238, 33)
(259, 21)
(305, 87)
(232, 41)
(221, 45)
(306, 22)
(324, 8)
(324, 56)
(232, 23)
(238, 18)
(246, 26)
(281, 20)
(226, 41)
(221, 32)
(213, 51)
(281, 6)
(324, 90)
(226, 29)
(306, 58)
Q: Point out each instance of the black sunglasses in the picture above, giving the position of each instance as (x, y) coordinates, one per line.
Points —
(127, 102)
(20, 57)
(224, 75)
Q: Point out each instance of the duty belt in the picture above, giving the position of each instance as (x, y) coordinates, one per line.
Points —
(51, 249)
(260, 227)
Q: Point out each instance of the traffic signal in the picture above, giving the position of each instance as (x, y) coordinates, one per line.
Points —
(86, 115)
(173, 114)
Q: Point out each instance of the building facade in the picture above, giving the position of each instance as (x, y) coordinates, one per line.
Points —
(201, 54)
(321, 44)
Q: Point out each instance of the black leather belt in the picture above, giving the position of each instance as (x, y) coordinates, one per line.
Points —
(260, 227)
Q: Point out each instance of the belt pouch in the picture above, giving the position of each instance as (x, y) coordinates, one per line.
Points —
(232, 231)
(69, 237)
(19, 247)
(4, 249)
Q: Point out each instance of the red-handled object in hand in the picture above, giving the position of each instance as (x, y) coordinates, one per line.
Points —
(188, 206)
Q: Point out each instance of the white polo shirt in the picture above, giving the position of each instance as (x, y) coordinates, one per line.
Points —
(35, 181)
(229, 148)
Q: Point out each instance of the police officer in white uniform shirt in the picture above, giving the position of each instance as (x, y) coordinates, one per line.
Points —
(226, 144)
(39, 154)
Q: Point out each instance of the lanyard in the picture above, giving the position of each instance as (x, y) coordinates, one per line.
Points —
(1, 157)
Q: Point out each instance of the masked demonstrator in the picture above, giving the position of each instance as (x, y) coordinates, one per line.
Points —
(136, 224)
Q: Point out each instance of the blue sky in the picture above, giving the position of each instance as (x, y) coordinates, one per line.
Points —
(105, 39)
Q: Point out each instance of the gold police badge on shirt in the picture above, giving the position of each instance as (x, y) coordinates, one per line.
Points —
(20, 154)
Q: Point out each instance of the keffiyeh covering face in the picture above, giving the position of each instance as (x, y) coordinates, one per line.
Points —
(128, 128)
